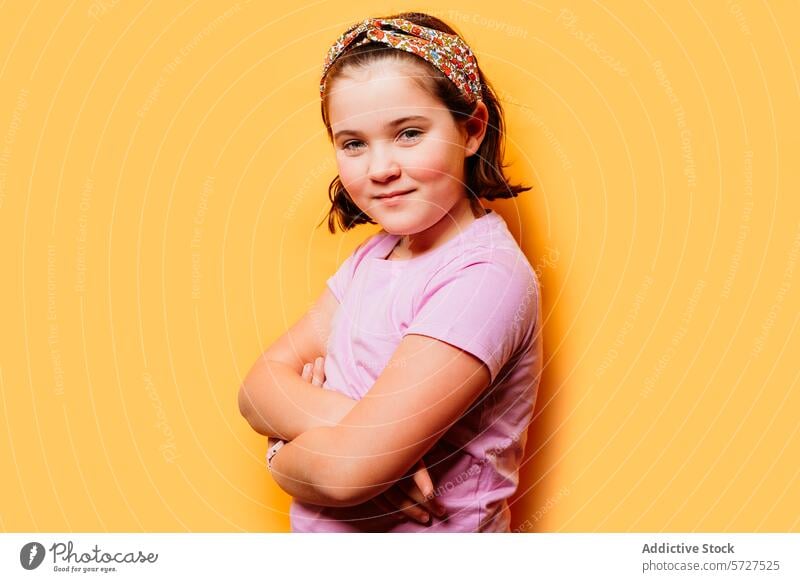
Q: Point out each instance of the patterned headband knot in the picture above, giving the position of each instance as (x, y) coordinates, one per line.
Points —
(447, 52)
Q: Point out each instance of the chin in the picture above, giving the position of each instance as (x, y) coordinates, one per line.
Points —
(402, 225)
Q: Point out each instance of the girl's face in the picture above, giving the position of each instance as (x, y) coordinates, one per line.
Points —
(393, 137)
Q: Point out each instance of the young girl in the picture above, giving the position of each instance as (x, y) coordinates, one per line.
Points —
(430, 331)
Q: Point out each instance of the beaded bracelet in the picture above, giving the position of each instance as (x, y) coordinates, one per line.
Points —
(274, 446)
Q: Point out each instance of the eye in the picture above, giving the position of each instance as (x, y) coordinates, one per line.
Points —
(411, 134)
(352, 145)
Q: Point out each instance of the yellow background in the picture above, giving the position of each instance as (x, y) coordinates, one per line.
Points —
(163, 169)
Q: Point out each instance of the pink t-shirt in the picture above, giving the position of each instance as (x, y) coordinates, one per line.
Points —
(477, 292)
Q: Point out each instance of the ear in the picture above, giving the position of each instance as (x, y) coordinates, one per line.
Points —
(475, 128)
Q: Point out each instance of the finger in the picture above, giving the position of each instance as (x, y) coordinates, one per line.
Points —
(423, 481)
(421, 490)
(388, 508)
(406, 505)
(306, 375)
(424, 484)
(431, 505)
(319, 372)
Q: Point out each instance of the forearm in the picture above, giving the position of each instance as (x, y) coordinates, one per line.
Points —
(276, 401)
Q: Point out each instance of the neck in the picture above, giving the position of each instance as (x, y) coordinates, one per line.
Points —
(450, 225)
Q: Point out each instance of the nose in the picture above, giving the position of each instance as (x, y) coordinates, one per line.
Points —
(382, 164)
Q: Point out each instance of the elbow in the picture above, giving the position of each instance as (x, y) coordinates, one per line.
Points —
(245, 402)
(348, 487)
(249, 411)
(321, 469)
(324, 477)
(341, 495)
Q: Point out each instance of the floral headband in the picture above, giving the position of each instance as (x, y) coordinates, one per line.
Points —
(447, 52)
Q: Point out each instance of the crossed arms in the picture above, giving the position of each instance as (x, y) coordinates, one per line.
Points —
(344, 452)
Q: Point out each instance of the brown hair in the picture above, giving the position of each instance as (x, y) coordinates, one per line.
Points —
(484, 177)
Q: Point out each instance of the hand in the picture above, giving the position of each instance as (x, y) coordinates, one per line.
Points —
(315, 373)
(413, 495)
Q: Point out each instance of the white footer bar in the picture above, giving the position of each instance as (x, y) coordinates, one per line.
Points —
(401, 557)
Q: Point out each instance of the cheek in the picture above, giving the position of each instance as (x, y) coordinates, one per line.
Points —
(436, 164)
(350, 173)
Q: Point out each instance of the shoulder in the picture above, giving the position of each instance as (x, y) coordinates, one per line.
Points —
(340, 281)
(369, 247)
(484, 302)
(504, 268)
(490, 249)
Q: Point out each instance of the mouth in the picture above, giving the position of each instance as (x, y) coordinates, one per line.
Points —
(394, 194)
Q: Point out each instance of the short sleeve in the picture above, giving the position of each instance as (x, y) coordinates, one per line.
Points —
(339, 282)
(484, 307)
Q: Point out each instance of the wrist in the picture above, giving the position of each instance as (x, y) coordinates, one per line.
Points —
(274, 444)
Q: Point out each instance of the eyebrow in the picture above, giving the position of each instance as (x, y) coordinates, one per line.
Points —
(393, 123)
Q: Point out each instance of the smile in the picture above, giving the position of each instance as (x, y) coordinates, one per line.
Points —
(393, 195)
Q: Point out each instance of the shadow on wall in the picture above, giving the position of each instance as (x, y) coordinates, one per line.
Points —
(539, 487)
